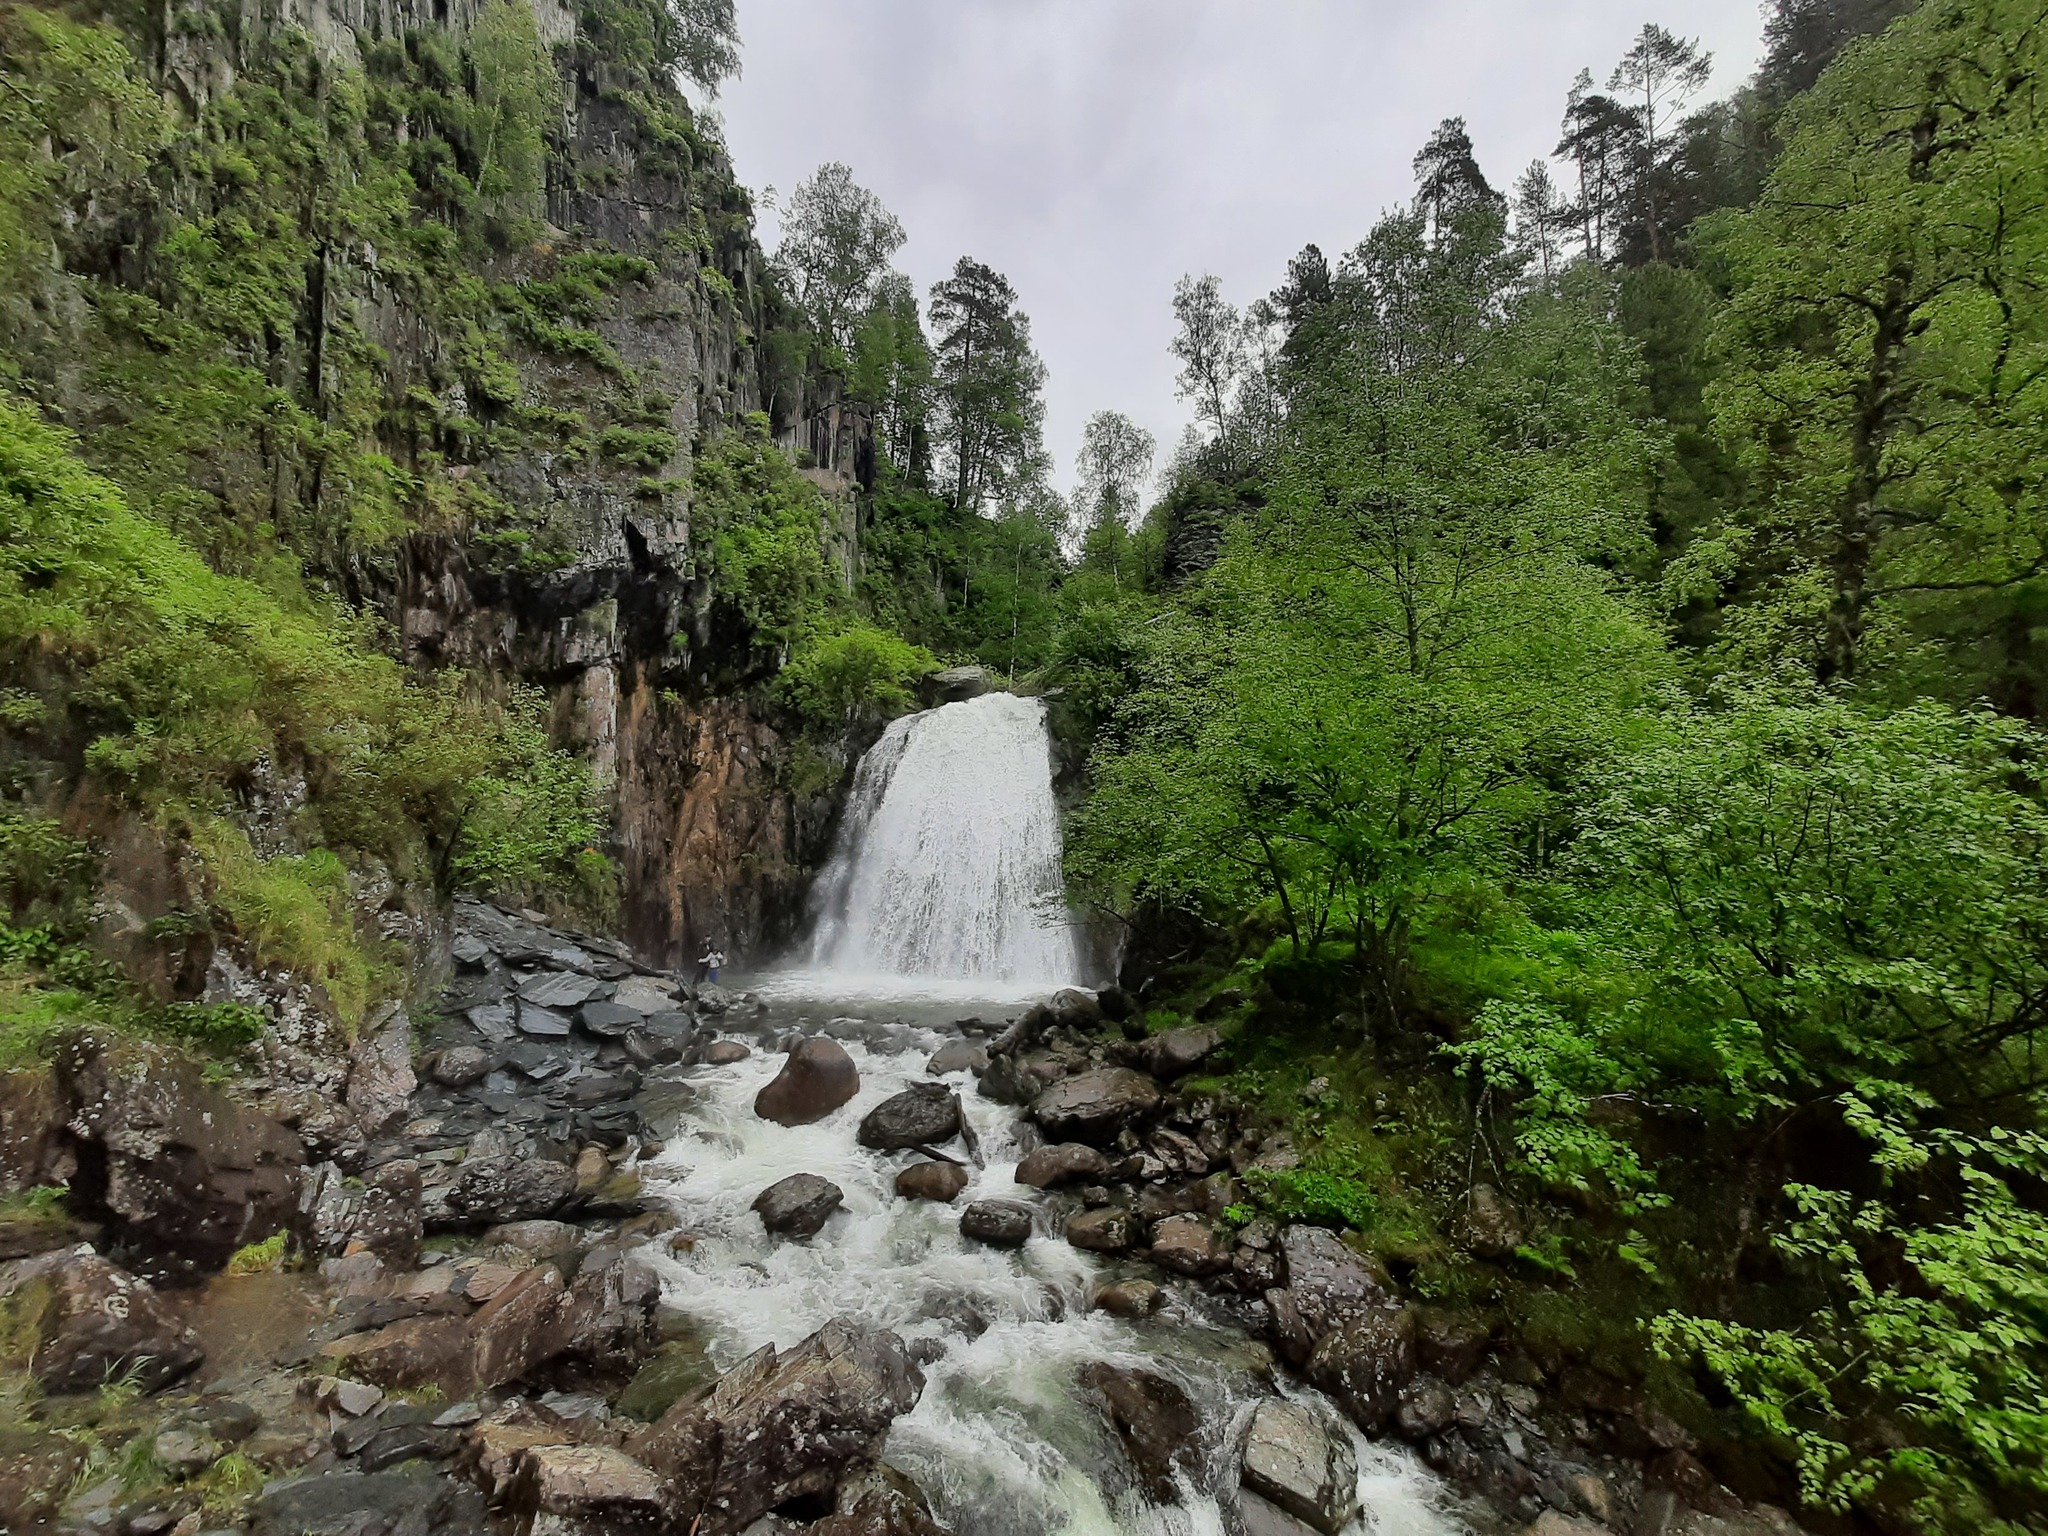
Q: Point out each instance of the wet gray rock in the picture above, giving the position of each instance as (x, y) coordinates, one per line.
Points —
(1189, 1245)
(1426, 1405)
(931, 1180)
(381, 1210)
(779, 1427)
(380, 1077)
(999, 1223)
(1062, 1162)
(408, 1501)
(957, 1056)
(191, 1175)
(1302, 1464)
(1178, 1052)
(559, 989)
(1108, 1230)
(459, 1065)
(1130, 1298)
(816, 1078)
(1154, 1420)
(1073, 1008)
(95, 1322)
(506, 1188)
(798, 1205)
(1364, 1364)
(920, 1115)
(879, 1501)
(723, 1053)
(1327, 1283)
(1094, 1106)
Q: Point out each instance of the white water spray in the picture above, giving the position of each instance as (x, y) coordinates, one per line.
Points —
(948, 864)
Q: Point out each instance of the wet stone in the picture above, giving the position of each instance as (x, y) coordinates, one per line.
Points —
(921, 1114)
(556, 989)
(931, 1181)
(723, 1053)
(799, 1205)
(999, 1223)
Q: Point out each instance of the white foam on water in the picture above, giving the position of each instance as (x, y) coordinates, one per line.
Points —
(1002, 1440)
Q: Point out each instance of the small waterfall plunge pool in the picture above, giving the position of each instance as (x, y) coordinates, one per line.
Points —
(943, 904)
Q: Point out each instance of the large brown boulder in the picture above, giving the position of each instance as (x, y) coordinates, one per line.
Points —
(1178, 1052)
(1189, 1245)
(95, 1323)
(1153, 1418)
(931, 1181)
(779, 1427)
(1062, 1162)
(190, 1175)
(1093, 1106)
(816, 1079)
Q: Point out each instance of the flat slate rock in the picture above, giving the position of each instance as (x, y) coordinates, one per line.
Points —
(608, 1020)
(559, 989)
(544, 1023)
(494, 1021)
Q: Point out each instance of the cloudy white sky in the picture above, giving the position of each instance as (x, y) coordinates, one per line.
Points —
(1095, 150)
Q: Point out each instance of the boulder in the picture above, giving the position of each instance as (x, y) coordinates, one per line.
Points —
(537, 1239)
(1426, 1406)
(411, 1500)
(1073, 1008)
(814, 1082)
(999, 1223)
(1062, 1162)
(1154, 1420)
(562, 990)
(1109, 1229)
(931, 1181)
(1365, 1362)
(95, 1323)
(608, 1020)
(1492, 1230)
(587, 1483)
(921, 1114)
(1093, 1106)
(957, 1056)
(1188, 1245)
(505, 1188)
(1326, 1284)
(1451, 1343)
(380, 1211)
(1178, 1052)
(1116, 1004)
(953, 685)
(879, 1501)
(191, 1175)
(32, 1115)
(647, 994)
(798, 1205)
(413, 1352)
(1302, 1464)
(1130, 1298)
(518, 1329)
(380, 1076)
(459, 1065)
(723, 1053)
(779, 1427)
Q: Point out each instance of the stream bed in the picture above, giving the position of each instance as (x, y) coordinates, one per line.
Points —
(1004, 1440)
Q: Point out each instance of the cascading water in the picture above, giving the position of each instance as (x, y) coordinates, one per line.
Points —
(1003, 1439)
(948, 864)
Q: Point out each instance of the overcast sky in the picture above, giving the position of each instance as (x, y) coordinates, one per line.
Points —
(1095, 150)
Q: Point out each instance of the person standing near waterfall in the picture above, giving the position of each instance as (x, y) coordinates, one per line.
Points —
(707, 965)
(717, 960)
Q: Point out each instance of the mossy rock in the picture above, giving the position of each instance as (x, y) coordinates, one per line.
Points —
(678, 1369)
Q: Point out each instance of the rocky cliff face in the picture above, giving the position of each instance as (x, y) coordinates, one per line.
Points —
(534, 400)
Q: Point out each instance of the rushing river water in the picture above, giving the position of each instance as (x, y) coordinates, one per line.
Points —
(945, 890)
(1002, 1440)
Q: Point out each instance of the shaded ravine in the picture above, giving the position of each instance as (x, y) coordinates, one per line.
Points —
(1003, 1440)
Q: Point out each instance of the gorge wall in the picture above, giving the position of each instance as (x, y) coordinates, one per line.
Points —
(528, 405)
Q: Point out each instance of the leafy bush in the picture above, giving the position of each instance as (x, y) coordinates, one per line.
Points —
(838, 677)
(758, 530)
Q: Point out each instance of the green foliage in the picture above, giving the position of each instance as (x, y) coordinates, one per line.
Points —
(258, 1258)
(841, 677)
(758, 530)
(518, 99)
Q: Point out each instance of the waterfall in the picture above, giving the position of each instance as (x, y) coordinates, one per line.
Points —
(948, 861)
